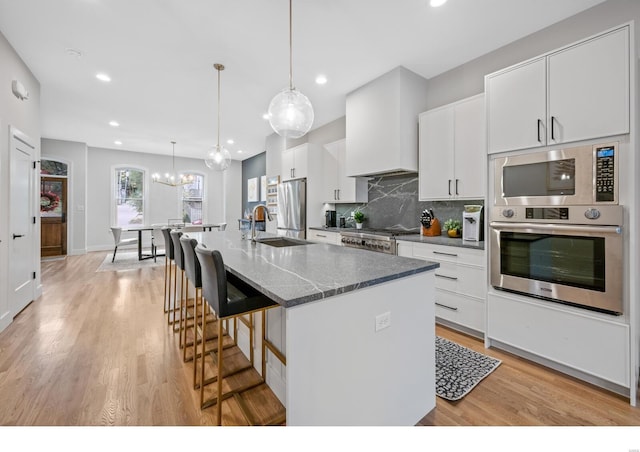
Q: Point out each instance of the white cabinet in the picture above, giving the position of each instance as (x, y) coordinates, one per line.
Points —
(382, 122)
(576, 93)
(315, 235)
(294, 162)
(452, 151)
(338, 187)
(461, 283)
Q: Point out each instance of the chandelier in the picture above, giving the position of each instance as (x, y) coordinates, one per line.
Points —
(290, 112)
(172, 179)
(218, 158)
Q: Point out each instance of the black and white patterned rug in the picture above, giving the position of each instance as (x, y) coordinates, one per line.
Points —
(459, 369)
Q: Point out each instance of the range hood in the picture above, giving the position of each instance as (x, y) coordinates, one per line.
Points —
(382, 124)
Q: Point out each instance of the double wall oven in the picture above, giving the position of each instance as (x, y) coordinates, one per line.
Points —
(556, 227)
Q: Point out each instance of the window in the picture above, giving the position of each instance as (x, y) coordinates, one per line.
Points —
(129, 196)
(192, 197)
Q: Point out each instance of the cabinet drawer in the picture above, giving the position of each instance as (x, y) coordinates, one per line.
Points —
(462, 279)
(461, 310)
(324, 237)
(443, 253)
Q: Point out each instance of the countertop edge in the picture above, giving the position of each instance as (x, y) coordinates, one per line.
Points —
(429, 265)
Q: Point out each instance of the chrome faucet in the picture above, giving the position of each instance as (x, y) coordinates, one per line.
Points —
(253, 220)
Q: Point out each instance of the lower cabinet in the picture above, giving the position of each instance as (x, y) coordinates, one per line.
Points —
(315, 235)
(460, 283)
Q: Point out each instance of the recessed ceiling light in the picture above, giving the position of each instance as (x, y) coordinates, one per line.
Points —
(114, 123)
(230, 141)
(265, 116)
(103, 77)
(321, 79)
(436, 3)
(118, 142)
(240, 151)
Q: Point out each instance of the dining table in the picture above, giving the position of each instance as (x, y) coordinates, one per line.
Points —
(141, 228)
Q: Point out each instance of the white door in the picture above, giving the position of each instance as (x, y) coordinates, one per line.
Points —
(21, 213)
(589, 89)
(516, 107)
(470, 151)
(436, 148)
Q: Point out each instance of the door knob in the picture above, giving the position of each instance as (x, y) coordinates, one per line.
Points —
(15, 236)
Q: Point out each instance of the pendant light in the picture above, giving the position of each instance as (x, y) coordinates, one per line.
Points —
(172, 179)
(290, 112)
(218, 158)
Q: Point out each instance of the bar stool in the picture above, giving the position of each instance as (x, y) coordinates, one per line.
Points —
(168, 269)
(178, 257)
(203, 332)
(229, 297)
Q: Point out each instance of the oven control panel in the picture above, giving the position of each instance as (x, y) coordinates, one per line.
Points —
(589, 215)
(605, 174)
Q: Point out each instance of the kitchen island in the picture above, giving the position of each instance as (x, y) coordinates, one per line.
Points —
(359, 328)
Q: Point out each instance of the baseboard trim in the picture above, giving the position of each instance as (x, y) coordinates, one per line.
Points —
(463, 329)
(613, 387)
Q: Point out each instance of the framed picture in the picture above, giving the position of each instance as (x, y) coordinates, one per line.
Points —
(252, 189)
(263, 188)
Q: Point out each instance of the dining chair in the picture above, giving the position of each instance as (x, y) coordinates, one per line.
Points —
(119, 241)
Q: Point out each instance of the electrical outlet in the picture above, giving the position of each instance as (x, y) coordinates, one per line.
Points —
(383, 321)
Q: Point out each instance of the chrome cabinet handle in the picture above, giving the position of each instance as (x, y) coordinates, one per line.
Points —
(321, 235)
(449, 187)
(457, 186)
(553, 118)
(338, 195)
(445, 254)
(452, 278)
(446, 307)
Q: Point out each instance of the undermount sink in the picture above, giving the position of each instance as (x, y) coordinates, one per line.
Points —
(281, 241)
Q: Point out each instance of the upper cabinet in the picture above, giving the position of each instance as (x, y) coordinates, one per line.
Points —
(338, 187)
(294, 162)
(576, 93)
(382, 124)
(452, 151)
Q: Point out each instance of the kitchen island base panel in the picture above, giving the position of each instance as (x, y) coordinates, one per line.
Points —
(341, 371)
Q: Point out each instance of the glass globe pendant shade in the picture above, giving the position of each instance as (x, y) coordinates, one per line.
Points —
(218, 158)
(290, 113)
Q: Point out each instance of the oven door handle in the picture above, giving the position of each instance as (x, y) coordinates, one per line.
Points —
(497, 225)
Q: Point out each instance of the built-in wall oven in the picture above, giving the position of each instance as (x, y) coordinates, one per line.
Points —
(556, 227)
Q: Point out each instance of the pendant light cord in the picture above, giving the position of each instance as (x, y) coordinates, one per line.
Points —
(219, 67)
(173, 158)
(290, 46)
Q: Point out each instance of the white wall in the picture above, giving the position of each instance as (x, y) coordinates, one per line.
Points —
(25, 115)
(74, 154)
(163, 201)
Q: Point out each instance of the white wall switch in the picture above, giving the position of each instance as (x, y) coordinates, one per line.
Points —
(383, 321)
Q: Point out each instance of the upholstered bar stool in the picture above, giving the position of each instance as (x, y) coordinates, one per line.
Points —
(169, 266)
(178, 257)
(203, 329)
(229, 297)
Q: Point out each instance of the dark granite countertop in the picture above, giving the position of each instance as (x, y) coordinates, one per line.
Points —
(442, 240)
(296, 275)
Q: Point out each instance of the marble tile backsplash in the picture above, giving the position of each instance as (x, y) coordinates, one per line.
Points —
(393, 202)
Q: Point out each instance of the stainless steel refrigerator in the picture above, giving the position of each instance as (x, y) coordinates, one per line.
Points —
(292, 208)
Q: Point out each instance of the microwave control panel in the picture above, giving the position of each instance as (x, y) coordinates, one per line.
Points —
(605, 174)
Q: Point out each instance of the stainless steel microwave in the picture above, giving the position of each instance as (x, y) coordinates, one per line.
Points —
(584, 175)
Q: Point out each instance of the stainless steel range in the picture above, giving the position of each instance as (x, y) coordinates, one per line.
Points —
(379, 240)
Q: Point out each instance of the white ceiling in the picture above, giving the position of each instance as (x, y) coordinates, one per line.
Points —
(160, 56)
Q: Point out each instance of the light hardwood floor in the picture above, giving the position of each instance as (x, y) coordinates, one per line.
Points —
(96, 349)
